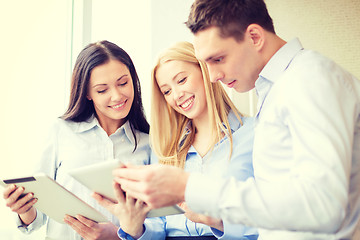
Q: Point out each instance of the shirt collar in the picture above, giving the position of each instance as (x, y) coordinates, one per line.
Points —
(86, 125)
(92, 122)
(126, 128)
(281, 60)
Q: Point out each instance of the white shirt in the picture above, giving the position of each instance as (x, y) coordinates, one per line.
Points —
(72, 145)
(306, 154)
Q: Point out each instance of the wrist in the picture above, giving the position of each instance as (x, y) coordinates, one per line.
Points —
(28, 217)
(135, 233)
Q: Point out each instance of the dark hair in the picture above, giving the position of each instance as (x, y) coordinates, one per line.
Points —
(231, 16)
(95, 54)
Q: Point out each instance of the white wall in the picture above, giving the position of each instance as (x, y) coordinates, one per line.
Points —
(328, 26)
(127, 24)
(34, 72)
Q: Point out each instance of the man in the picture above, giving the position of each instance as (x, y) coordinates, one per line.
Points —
(307, 133)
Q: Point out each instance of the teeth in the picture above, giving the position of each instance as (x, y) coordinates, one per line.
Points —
(187, 103)
(119, 105)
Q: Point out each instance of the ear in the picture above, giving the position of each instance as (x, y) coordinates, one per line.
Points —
(88, 97)
(257, 35)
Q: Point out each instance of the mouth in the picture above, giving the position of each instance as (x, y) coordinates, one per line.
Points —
(117, 106)
(231, 84)
(187, 104)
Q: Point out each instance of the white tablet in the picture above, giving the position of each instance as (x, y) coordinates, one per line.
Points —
(98, 178)
(53, 199)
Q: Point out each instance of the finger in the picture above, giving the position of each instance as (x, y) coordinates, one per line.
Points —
(133, 189)
(9, 190)
(14, 196)
(119, 193)
(87, 222)
(182, 205)
(23, 204)
(76, 225)
(131, 172)
(25, 208)
(130, 199)
(105, 202)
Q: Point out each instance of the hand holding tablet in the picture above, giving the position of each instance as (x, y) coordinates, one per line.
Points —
(53, 199)
(99, 178)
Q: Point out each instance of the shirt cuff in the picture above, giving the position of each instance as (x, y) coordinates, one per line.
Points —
(123, 235)
(233, 231)
(202, 194)
(39, 220)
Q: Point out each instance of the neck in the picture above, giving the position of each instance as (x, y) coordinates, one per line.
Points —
(203, 140)
(273, 44)
(111, 126)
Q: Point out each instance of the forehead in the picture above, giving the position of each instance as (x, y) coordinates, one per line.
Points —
(111, 70)
(207, 43)
(168, 70)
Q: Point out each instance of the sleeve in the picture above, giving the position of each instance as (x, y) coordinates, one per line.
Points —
(235, 231)
(154, 229)
(315, 189)
(241, 168)
(39, 221)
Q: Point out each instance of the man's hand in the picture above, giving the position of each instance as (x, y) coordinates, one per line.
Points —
(157, 185)
(91, 230)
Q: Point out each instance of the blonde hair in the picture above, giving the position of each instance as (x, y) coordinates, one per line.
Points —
(167, 125)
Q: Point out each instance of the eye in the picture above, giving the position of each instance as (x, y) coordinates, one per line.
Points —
(219, 59)
(123, 83)
(101, 91)
(166, 92)
(182, 80)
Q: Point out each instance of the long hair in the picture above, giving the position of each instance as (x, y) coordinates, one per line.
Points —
(93, 55)
(168, 126)
(231, 16)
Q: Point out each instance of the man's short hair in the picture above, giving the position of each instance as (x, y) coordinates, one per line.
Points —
(231, 16)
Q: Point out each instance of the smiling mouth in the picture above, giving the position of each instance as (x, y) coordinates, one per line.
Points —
(185, 105)
(231, 84)
(118, 105)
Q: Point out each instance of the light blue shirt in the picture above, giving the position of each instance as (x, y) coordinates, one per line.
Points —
(306, 154)
(73, 145)
(215, 164)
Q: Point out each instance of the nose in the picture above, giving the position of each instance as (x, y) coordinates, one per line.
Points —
(177, 93)
(215, 74)
(116, 95)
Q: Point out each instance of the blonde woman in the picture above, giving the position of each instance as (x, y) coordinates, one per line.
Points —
(194, 126)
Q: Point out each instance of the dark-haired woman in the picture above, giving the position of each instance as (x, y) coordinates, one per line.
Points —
(105, 120)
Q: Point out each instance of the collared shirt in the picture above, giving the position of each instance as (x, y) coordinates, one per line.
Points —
(72, 145)
(215, 164)
(306, 154)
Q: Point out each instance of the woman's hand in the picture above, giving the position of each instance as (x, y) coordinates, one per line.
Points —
(20, 204)
(91, 230)
(199, 218)
(130, 212)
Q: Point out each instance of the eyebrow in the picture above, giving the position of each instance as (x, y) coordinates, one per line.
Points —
(173, 78)
(177, 75)
(104, 84)
(209, 58)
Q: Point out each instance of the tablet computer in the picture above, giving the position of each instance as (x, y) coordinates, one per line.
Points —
(98, 178)
(53, 199)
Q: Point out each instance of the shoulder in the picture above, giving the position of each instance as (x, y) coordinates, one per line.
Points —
(246, 132)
